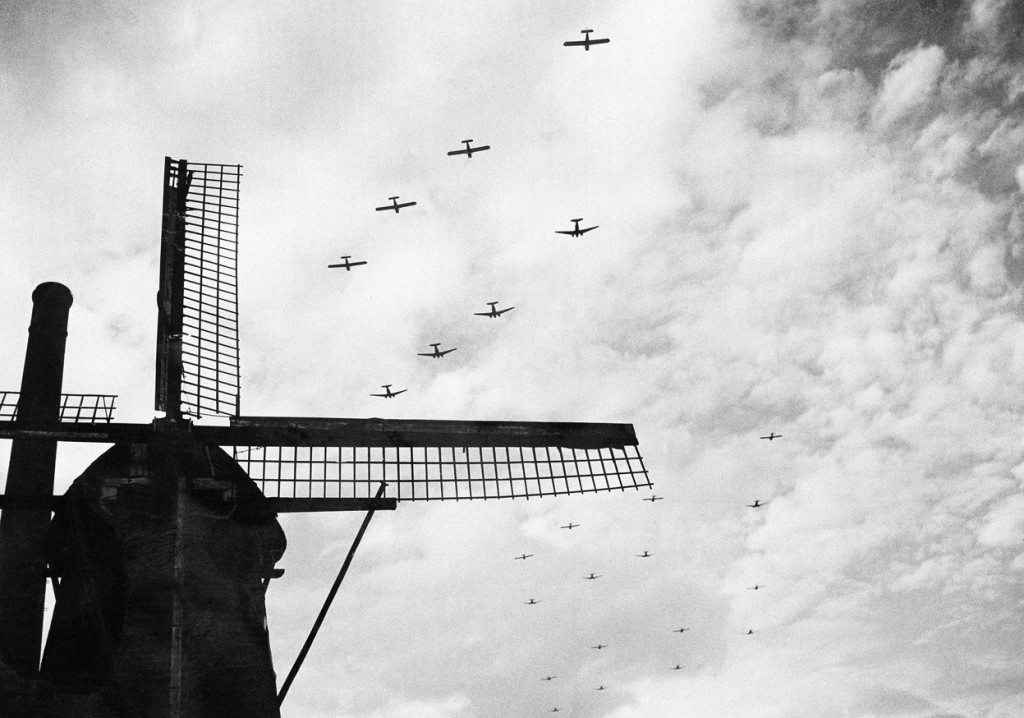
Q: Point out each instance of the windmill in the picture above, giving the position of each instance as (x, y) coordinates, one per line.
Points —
(161, 552)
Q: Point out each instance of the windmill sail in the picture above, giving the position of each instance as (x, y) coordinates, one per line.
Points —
(74, 408)
(197, 336)
(435, 460)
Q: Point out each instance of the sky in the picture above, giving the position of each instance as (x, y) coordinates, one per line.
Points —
(810, 222)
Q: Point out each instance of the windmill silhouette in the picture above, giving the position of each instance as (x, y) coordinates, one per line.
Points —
(161, 552)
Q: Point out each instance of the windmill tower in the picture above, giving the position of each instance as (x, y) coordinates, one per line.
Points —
(161, 552)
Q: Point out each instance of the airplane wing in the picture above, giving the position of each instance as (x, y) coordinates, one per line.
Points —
(460, 152)
(481, 148)
(419, 354)
(565, 231)
(588, 229)
(447, 351)
(406, 204)
(384, 395)
(573, 43)
(481, 314)
(396, 393)
(502, 311)
(600, 41)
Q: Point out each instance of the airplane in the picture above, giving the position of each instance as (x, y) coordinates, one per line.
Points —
(586, 42)
(468, 151)
(757, 504)
(347, 265)
(437, 353)
(395, 205)
(569, 526)
(600, 688)
(772, 435)
(591, 577)
(750, 632)
(755, 587)
(680, 630)
(644, 555)
(599, 646)
(531, 602)
(549, 678)
(388, 394)
(495, 312)
(678, 668)
(554, 710)
(576, 231)
(524, 556)
(654, 498)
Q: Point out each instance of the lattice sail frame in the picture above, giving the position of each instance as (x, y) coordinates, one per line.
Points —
(210, 354)
(440, 473)
(74, 408)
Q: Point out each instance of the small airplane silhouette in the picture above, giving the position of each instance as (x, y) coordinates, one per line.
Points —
(554, 710)
(678, 668)
(680, 630)
(388, 394)
(495, 312)
(576, 231)
(600, 688)
(549, 678)
(591, 577)
(531, 602)
(654, 498)
(599, 646)
(750, 632)
(437, 353)
(468, 151)
(569, 526)
(757, 504)
(772, 435)
(395, 205)
(347, 265)
(586, 42)
(755, 587)
(524, 556)
(644, 555)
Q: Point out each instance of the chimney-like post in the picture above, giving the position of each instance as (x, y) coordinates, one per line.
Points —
(30, 483)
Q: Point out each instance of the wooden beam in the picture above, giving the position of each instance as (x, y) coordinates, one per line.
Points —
(309, 431)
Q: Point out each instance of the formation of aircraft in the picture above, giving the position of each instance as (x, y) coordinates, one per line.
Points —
(437, 353)
(495, 312)
(395, 205)
(468, 151)
(772, 435)
(346, 265)
(586, 42)
(388, 394)
(576, 231)
(524, 556)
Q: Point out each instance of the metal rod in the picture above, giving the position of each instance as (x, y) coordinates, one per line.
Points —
(327, 604)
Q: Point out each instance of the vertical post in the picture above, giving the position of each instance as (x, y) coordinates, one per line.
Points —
(31, 471)
(170, 297)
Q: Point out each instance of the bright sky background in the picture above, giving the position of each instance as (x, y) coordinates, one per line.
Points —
(811, 221)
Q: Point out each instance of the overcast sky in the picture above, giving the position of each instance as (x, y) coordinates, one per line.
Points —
(810, 221)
